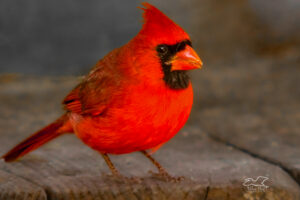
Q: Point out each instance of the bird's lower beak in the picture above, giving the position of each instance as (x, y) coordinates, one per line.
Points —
(186, 59)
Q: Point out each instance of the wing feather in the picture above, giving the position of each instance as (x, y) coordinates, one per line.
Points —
(94, 93)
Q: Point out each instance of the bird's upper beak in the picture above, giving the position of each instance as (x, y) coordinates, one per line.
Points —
(186, 59)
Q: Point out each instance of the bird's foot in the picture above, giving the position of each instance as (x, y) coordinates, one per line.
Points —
(167, 177)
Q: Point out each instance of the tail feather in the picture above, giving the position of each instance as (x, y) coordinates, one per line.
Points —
(39, 138)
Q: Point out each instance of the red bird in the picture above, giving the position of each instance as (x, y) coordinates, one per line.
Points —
(135, 99)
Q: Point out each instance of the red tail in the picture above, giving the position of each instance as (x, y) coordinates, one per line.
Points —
(39, 138)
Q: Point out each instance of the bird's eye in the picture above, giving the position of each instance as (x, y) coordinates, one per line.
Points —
(162, 49)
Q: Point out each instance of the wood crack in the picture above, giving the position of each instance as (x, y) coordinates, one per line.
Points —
(206, 193)
(255, 155)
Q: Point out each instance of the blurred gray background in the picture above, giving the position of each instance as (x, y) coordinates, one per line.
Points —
(64, 37)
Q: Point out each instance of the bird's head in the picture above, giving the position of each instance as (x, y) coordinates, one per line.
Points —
(163, 43)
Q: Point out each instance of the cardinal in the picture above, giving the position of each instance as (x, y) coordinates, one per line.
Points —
(136, 98)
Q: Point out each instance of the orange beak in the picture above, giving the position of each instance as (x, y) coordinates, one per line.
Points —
(186, 60)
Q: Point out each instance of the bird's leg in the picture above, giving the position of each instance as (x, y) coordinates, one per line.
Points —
(111, 165)
(116, 173)
(159, 167)
(161, 170)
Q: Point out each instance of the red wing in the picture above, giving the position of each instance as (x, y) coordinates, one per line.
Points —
(93, 94)
(72, 102)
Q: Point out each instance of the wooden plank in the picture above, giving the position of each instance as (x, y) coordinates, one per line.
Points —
(67, 169)
(13, 187)
(257, 110)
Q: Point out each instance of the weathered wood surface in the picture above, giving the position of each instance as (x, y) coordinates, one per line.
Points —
(257, 110)
(67, 169)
